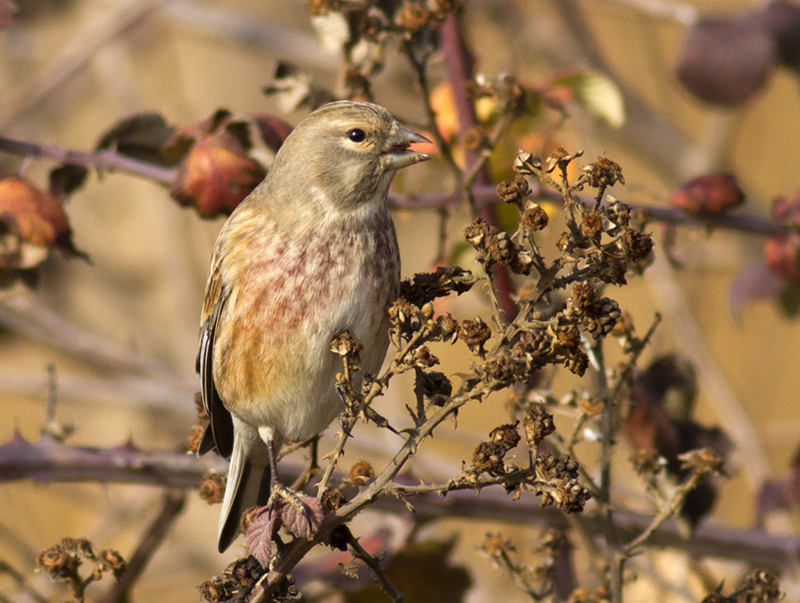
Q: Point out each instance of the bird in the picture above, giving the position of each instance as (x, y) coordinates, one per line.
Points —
(310, 253)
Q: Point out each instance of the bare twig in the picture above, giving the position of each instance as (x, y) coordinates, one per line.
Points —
(98, 160)
(152, 539)
(386, 584)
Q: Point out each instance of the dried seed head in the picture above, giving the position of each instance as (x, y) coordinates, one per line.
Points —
(245, 572)
(57, 562)
(436, 387)
(360, 473)
(604, 172)
(578, 363)
(212, 490)
(535, 218)
(505, 436)
(414, 15)
(111, 560)
(496, 544)
(214, 590)
(571, 496)
(538, 424)
(513, 191)
(527, 163)
(488, 458)
(332, 500)
(474, 139)
(503, 368)
(569, 338)
(423, 357)
(592, 226)
(647, 462)
(199, 407)
(192, 442)
(585, 297)
(637, 244)
(248, 517)
(561, 158)
(475, 333)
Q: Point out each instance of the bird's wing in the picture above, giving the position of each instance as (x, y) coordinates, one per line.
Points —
(219, 433)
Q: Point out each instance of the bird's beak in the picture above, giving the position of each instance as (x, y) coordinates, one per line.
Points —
(397, 154)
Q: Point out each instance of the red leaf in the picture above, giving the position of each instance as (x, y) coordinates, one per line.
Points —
(259, 536)
(708, 195)
(301, 517)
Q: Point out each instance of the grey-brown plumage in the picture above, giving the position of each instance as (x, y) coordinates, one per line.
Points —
(310, 253)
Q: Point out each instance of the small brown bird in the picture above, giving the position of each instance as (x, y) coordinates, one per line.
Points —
(310, 253)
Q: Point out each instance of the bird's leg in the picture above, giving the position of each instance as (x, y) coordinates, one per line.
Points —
(299, 513)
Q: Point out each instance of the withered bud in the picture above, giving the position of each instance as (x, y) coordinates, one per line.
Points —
(527, 163)
(569, 337)
(248, 517)
(496, 544)
(213, 590)
(703, 460)
(212, 490)
(638, 244)
(502, 367)
(478, 231)
(448, 326)
(584, 296)
(474, 139)
(578, 362)
(592, 226)
(192, 442)
(561, 158)
(423, 357)
(345, 344)
(505, 436)
(113, 561)
(647, 462)
(436, 387)
(57, 562)
(563, 241)
(538, 424)
(624, 326)
(405, 315)
(199, 407)
(513, 191)
(370, 26)
(604, 172)
(414, 15)
(591, 407)
(488, 458)
(360, 473)
(571, 496)
(535, 218)
(332, 500)
(448, 6)
(475, 333)
(246, 571)
(322, 7)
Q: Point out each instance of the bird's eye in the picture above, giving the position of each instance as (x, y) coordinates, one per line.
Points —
(357, 135)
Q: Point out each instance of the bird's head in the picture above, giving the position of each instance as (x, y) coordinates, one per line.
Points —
(344, 155)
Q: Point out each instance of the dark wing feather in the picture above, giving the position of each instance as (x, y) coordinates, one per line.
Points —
(219, 433)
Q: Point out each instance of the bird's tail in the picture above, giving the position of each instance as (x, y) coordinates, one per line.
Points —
(248, 485)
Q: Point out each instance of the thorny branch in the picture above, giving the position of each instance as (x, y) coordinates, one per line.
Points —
(561, 319)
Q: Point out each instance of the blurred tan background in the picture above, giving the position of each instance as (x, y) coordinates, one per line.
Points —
(70, 69)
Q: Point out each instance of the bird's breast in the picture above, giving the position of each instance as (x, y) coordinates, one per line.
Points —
(291, 293)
